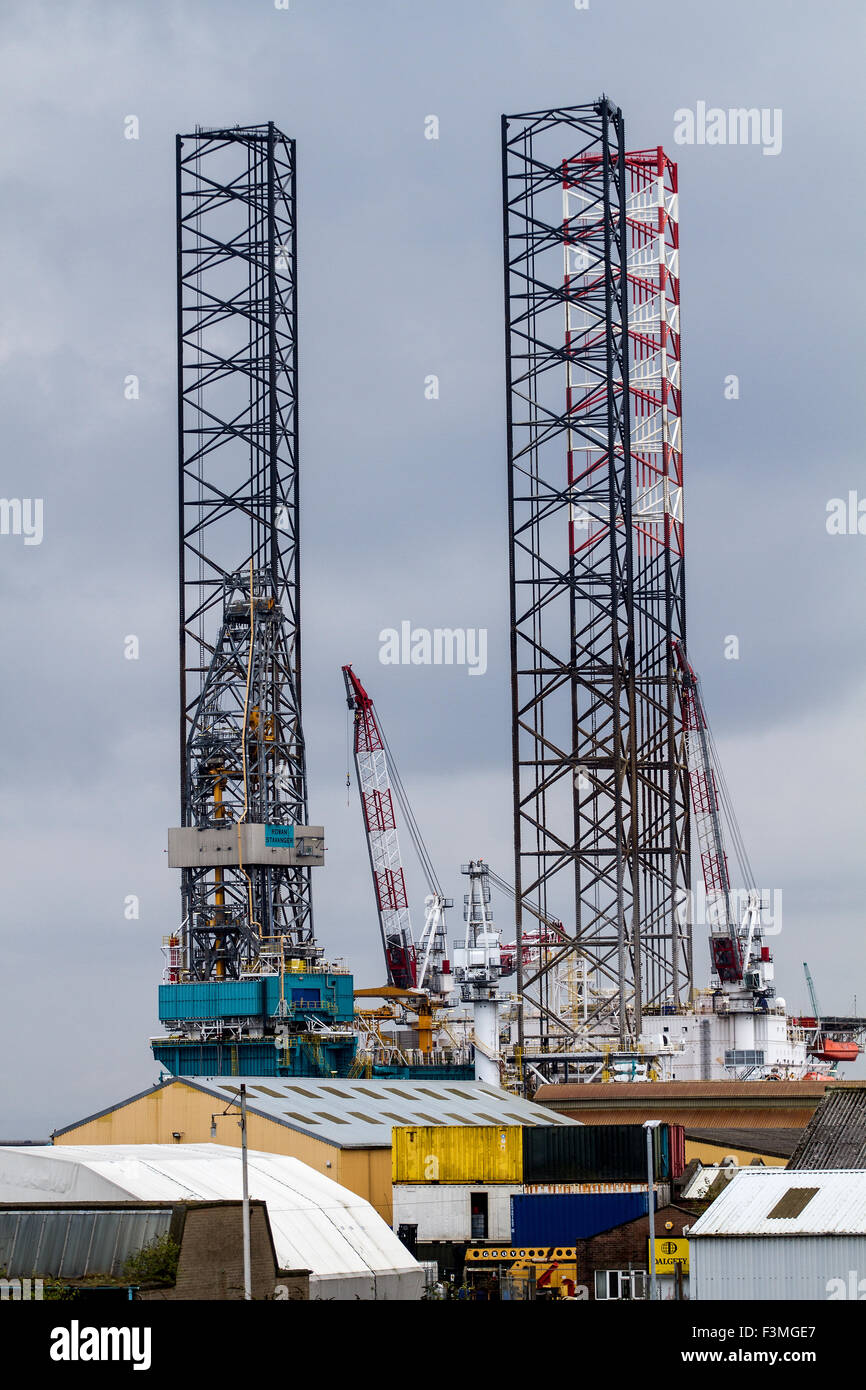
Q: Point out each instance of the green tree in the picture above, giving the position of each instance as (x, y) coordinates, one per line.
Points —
(155, 1265)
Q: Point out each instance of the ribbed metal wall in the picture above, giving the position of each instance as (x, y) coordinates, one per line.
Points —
(458, 1154)
(610, 1153)
(562, 1220)
(73, 1244)
(328, 995)
(784, 1268)
(533, 1153)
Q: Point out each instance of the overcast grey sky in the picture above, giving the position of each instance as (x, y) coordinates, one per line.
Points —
(403, 498)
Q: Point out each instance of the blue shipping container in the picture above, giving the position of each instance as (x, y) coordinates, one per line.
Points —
(212, 999)
(561, 1218)
(329, 996)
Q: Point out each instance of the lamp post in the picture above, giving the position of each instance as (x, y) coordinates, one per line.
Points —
(248, 1286)
(649, 1126)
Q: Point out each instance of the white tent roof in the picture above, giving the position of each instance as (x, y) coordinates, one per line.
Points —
(317, 1224)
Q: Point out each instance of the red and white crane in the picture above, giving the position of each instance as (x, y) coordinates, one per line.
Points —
(732, 943)
(421, 968)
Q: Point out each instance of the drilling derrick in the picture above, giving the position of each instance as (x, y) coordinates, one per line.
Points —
(596, 564)
(241, 755)
(246, 988)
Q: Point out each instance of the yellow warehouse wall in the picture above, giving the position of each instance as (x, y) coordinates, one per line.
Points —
(716, 1153)
(178, 1108)
(368, 1172)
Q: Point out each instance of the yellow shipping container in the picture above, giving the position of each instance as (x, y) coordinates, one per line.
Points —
(457, 1153)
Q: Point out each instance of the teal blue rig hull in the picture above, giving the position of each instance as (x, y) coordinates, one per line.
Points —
(328, 998)
(257, 1004)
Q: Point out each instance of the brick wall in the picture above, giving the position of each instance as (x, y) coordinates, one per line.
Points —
(211, 1264)
(625, 1247)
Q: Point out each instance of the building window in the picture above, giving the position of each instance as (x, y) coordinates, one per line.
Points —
(478, 1215)
(620, 1284)
(737, 1057)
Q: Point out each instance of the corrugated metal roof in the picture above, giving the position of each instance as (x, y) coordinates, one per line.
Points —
(694, 1104)
(778, 1142)
(609, 1092)
(316, 1223)
(723, 1118)
(836, 1134)
(820, 1202)
(361, 1113)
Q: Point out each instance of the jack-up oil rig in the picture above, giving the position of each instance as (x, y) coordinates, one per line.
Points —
(615, 775)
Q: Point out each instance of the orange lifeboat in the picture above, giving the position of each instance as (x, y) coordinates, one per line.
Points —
(830, 1050)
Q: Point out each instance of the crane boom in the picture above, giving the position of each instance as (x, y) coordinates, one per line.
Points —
(725, 943)
(816, 1010)
(380, 828)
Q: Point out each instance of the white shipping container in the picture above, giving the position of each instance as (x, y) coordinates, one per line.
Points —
(442, 1211)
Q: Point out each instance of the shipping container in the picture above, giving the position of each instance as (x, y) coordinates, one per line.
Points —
(452, 1211)
(458, 1154)
(593, 1153)
(603, 1189)
(563, 1220)
(212, 999)
(661, 1151)
(678, 1150)
(327, 995)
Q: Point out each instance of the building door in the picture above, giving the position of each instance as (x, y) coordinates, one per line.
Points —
(478, 1215)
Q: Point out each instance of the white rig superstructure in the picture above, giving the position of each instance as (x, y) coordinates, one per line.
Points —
(479, 964)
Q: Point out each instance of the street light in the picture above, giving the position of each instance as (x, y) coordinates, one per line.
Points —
(248, 1288)
(649, 1126)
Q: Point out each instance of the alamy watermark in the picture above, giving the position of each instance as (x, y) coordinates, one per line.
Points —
(77, 1343)
(853, 1287)
(22, 516)
(21, 1290)
(692, 907)
(738, 125)
(441, 646)
(846, 516)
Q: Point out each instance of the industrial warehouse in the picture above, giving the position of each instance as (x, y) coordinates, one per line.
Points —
(569, 1070)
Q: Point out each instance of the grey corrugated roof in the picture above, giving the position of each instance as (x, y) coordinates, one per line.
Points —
(361, 1113)
(835, 1137)
(777, 1202)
